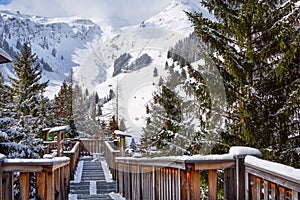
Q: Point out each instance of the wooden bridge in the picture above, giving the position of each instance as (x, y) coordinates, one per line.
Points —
(240, 174)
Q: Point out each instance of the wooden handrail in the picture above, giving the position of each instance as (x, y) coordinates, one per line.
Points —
(74, 155)
(264, 178)
(169, 177)
(245, 176)
(110, 155)
(92, 146)
(52, 177)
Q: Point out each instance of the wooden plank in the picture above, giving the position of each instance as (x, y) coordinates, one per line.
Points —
(50, 188)
(184, 184)
(24, 185)
(266, 190)
(273, 191)
(214, 165)
(212, 184)
(229, 184)
(195, 184)
(274, 179)
(40, 182)
(295, 195)
(253, 187)
(8, 185)
(258, 188)
(1, 178)
(282, 193)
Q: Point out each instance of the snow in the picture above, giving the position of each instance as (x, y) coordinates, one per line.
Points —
(116, 196)
(273, 168)
(59, 128)
(78, 172)
(237, 151)
(2, 157)
(27, 162)
(93, 188)
(107, 174)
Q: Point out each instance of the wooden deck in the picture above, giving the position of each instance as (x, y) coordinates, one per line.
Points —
(245, 176)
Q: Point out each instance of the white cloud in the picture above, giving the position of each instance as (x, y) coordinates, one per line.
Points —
(134, 11)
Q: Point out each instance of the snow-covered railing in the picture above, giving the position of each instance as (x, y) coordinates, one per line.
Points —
(169, 177)
(269, 180)
(111, 151)
(52, 177)
(179, 177)
(74, 155)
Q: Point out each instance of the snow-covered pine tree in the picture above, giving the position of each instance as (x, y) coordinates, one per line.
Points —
(27, 94)
(255, 46)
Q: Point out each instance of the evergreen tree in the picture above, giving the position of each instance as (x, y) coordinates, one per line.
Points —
(27, 94)
(255, 45)
(64, 109)
(155, 73)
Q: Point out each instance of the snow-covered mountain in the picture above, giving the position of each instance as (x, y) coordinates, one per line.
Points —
(64, 43)
(54, 40)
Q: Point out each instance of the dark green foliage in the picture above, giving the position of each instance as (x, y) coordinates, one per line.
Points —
(64, 108)
(255, 45)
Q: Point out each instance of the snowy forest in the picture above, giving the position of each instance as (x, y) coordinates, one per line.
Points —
(255, 47)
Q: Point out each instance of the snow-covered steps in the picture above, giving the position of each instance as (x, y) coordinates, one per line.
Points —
(92, 183)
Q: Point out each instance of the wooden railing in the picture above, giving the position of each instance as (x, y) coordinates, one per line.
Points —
(92, 146)
(268, 180)
(111, 151)
(74, 155)
(52, 177)
(180, 177)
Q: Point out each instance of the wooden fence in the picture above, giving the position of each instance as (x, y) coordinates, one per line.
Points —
(111, 151)
(179, 178)
(92, 146)
(267, 180)
(52, 177)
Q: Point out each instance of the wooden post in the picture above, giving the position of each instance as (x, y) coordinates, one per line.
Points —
(24, 185)
(273, 190)
(195, 184)
(50, 188)
(40, 182)
(2, 157)
(58, 143)
(184, 184)
(229, 183)
(266, 190)
(8, 186)
(212, 184)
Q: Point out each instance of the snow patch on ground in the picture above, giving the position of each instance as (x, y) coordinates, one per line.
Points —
(107, 174)
(78, 173)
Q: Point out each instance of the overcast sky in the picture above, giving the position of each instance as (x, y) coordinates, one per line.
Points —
(134, 11)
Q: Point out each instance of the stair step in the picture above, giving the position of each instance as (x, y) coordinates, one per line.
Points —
(92, 171)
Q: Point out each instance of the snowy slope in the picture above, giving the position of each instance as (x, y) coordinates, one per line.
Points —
(154, 36)
(161, 31)
(54, 40)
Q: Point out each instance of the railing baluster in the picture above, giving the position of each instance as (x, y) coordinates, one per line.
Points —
(8, 185)
(295, 195)
(266, 190)
(212, 184)
(282, 193)
(24, 185)
(273, 191)
(258, 188)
